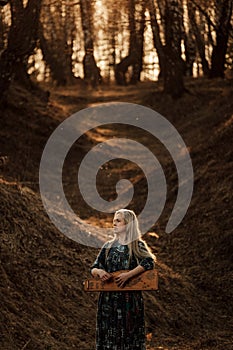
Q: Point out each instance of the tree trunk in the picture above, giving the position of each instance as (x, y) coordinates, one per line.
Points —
(135, 56)
(21, 40)
(222, 34)
(156, 36)
(131, 59)
(173, 70)
(57, 34)
(91, 71)
(69, 31)
(56, 66)
(122, 68)
(190, 53)
(199, 40)
(139, 34)
(21, 75)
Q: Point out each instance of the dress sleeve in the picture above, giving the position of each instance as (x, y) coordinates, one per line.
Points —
(99, 262)
(148, 262)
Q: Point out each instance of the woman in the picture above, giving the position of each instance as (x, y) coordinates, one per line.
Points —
(120, 315)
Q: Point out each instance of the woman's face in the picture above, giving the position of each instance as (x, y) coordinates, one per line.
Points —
(119, 224)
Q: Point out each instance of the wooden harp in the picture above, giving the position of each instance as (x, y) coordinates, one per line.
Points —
(147, 280)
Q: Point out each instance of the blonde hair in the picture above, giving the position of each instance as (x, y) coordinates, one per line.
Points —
(133, 235)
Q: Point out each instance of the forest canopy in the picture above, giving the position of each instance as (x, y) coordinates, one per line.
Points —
(102, 41)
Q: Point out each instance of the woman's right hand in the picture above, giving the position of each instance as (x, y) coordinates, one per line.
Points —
(103, 275)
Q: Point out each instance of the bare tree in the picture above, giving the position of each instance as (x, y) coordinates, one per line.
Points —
(56, 34)
(169, 52)
(174, 69)
(199, 36)
(158, 44)
(21, 42)
(190, 51)
(139, 36)
(217, 16)
(134, 57)
(223, 25)
(91, 71)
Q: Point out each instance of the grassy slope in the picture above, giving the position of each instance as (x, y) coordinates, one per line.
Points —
(43, 304)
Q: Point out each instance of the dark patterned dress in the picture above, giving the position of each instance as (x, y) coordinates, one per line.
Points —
(120, 315)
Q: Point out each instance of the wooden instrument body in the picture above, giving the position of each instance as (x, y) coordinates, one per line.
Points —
(148, 280)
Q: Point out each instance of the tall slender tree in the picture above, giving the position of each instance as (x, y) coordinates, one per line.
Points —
(199, 37)
(174, 69)
(169, 52)
(135, 52)
(91, 71)
(139, 36)
(223, 25)
(56, 36)
(158, 44)
(190, 51)
(22, 39)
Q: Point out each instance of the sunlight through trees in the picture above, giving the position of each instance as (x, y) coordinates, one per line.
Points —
(124, 42)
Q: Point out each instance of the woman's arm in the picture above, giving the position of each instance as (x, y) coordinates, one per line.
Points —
(102, 274)
(98, 267)
(124, 276)
(136, 271)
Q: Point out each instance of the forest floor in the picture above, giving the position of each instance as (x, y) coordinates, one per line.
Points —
(43, 305)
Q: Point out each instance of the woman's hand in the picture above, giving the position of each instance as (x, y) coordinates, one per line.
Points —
(122, 278)
(103, 275)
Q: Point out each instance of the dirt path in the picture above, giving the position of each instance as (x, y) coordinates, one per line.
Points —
(42, 270)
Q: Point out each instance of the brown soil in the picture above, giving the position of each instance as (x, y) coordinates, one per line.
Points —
(43, 305)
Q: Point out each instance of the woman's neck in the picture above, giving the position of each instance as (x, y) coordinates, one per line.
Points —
(122, 240)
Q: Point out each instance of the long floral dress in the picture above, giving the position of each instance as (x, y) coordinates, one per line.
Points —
(120, 315)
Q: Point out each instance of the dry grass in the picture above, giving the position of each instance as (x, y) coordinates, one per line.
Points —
(43, 305)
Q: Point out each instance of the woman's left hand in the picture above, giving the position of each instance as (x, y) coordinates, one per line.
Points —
(122, 278)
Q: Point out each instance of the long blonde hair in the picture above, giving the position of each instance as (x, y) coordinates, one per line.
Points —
(133, 234)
